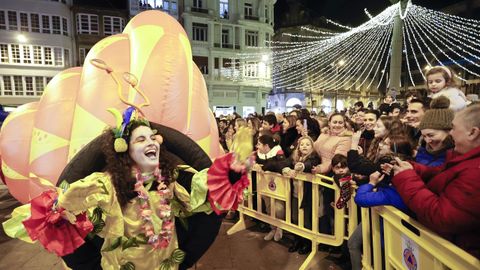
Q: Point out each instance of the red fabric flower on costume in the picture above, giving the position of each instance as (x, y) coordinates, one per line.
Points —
(222, 192)
(55, 233)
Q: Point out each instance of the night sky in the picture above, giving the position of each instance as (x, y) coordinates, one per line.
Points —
(351, 12)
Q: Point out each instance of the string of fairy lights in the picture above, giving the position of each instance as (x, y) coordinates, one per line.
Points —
(321, 60)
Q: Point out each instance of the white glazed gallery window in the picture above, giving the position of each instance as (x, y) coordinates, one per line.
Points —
(66, 58)
(56, 25)
(3, 21)
(58, 56)
(39, 85)
(27, 54)
(200, 32)
(47, 54)
(37, 55)
(251, 38)
(87, 24)
(248, 9)
(7, 89)
(35, 22)
(29, 91)
(24, 22)
(33, 55)
(46, 25)
(197, 3)
(18, 84)
(251, 69)
(12, 20)
(65, 26)
(4, 55)
(23, 85)
(82, 54)
(15, 49)
(113, 25)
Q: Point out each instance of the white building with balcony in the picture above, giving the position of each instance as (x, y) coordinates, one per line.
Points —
(36, 42)
(219, 30)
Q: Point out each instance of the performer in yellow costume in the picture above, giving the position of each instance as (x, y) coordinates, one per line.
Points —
(133, 203)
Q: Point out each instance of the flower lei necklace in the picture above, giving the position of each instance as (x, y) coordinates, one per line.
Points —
(158, 227)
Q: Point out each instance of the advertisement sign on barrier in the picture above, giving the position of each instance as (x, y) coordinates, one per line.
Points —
(410, 255)
(273, 185)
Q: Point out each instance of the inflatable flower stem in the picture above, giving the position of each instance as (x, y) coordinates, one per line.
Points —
(122, 121)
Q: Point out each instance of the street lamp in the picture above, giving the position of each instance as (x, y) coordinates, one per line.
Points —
(340, 63)
(22, 38)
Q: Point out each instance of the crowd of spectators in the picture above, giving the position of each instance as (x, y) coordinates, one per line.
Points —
(422, 157)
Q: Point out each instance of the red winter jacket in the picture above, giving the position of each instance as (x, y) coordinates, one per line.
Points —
(447, 200)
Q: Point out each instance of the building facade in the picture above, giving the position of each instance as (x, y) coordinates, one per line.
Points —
(221, 31)
(41, 38)
(36, 42)
(93, 21)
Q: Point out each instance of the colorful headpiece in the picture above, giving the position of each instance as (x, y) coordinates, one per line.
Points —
(132, 114)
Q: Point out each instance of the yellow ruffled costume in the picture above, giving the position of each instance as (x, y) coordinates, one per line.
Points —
(96, 190)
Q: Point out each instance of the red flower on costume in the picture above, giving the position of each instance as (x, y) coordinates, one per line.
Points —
(221, 192)
(48, 226)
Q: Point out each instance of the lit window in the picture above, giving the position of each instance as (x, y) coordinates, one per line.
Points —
(35, 22)
(224, 9)
(15, 53)
(200, 32)
(47, 52)
(37, 55)
(4, 57)
(12, 20)
(27, 56)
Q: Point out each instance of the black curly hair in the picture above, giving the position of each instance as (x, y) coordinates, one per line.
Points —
(119, 165)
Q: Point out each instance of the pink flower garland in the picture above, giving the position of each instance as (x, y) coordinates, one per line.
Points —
(162, 238)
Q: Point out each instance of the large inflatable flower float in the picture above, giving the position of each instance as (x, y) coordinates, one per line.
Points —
(46, 142)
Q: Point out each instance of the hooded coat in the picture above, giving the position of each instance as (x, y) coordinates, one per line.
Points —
(446, 199)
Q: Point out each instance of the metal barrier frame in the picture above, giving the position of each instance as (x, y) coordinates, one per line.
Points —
(435, 252)
(313, 234)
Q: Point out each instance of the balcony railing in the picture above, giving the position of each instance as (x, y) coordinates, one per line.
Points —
(227, 46)
(199, 10)
(252, 18)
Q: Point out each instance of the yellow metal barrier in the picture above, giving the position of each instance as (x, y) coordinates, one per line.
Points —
(274, 186)
(408, 244)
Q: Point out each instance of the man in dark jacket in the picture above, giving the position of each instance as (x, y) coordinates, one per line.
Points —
(446, 198)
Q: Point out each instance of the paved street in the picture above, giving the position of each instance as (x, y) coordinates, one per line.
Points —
(244, 250)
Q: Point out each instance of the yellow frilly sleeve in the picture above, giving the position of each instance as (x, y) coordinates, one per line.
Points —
(91, 191)
(95, 190)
